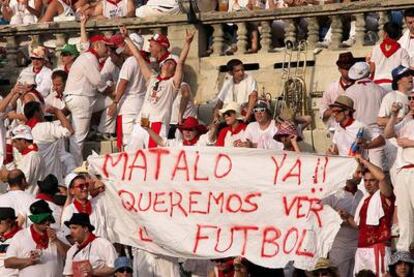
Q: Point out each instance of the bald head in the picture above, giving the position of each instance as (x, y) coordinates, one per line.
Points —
(16, 178)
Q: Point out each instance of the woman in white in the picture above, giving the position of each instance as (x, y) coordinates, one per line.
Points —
(234, 131)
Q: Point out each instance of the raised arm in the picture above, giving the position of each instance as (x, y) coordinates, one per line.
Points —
(384, 185)
(12, 96)
(145, 68)
(178, 76)
(389, 127)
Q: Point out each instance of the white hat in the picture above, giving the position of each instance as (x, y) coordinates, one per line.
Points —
(232, 106)
(39, 52)
(69, 178)
(22, 132)
(137, 39)
(27, 77)
(173, 57)
(359, 70)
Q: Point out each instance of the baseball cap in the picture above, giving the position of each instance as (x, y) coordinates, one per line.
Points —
(161, 39)
(100, 37)
(70, 49)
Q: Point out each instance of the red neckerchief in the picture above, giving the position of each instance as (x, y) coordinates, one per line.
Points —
(191, 142)
(343, 85)
(347, 123)
(41, 240)
(10, 233)
(115, 3)
(146, 56)
(163, 57)
(9, 154)
(159, 78)
(36, 71)
(87, 208)
(240, 127)
(389, 46)
(100, 62)
(38, 95)
(91, 237)
(45, 197)
(32, 122)
(30, 148)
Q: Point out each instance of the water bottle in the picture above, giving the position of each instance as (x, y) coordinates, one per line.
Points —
(355, 147)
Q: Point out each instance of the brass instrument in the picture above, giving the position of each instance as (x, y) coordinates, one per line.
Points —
(292, 102)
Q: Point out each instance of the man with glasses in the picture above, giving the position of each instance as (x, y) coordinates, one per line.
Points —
(90, 255)
(404, 165)
(373, 219)
(37, 250)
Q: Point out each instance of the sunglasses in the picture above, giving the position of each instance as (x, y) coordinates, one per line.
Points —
(81, 186)
(229, 113)
(410, 98)
(259, 110)
(36, 59)
(124, 269)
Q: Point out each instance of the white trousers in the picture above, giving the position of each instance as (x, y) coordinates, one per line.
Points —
(147, 264)
(139, 137)
(404, 192)
(81, 108)
(106, 123)
(365, 259)
(128, 121)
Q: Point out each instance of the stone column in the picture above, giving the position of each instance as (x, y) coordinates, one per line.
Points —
(242, 37)
(313, 32)
(336, 26)
(360, 30)
(290, 32)
(218, 40)
(266, 37)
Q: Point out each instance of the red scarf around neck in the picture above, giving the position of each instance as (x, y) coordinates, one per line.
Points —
(114, 2)
(41, 240)
(30, 148)
(36, 71)
(32, 122)
(389, 47)
(191, 142)
(91, 237)
(45, 197)
(10, 234)
(100, 61)
(87, 208)
(347, 123)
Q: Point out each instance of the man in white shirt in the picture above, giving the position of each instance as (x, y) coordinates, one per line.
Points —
(37, 251)
(90, 255)
(404, 164)
(48, 136)
(388, 55)
(367, 97)
(8, 228)
(80, 91)
(48, 188)
(345, 62)
(31, 162)
(39, 68)
(240, 87)
(17, 198)
(110, 9)
(407, 39)
(157, 8)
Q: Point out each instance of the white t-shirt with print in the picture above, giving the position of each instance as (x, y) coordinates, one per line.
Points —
(263, 138)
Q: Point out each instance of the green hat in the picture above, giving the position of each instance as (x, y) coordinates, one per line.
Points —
(70, 49)
(40, 211)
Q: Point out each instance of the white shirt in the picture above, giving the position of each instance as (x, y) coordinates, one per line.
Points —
(204, 140)
(404, 129)
(34, 168)
(344, 137)
(162, 3)
(134, 95)
(190, 109)
(43, 79)
(109, 74)
(263, 138)
(111, 10)
(84, 76)
(239, 93)
(407, 43)
(20, 201)
(48, 137)
(6, 272)
(384, 65)
(100, 252)
(391, 97)
(51, 263)
(54, 101)
(329, 96)
(158, 103)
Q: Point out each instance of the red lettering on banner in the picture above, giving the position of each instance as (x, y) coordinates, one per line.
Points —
(270, 235)
(199, 237)
(158, 152)
(109, 158)
(182, 156)
(325, 166)
(141, 196)
(138, 153)
(178, 204)
(127, 200)
(218, 236)
(143, 234)
(315, 207)
(312, 205)
(290, 174)
(159, 202)
(229, 166)
(278, 167)
(219, 201)
(301, 252)
(285, 240)
(315, 174)
(192, 202)
(248, 198)
(196, 177)
(245, 230)
(239, 203)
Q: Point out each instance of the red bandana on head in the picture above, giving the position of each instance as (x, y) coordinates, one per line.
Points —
(389, 47)
(41, 240)
(81, 208)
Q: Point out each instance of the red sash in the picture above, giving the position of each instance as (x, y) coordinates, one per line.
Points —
(119, 133)
(156, 127)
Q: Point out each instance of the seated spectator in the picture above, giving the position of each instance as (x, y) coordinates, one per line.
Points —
(90, 255)
(240, 88)
(234, 130)
(37, 250)
(8, 228)
(22, 11)
(401, 265)
(373, 218)
(157, 8)
(55, 98)
(114, 9)
(123, 267)
(406, 40)
(323, 267)
(62, 10)
(387, 56)
(288, 136)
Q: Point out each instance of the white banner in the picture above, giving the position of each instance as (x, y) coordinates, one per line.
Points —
(219, 202)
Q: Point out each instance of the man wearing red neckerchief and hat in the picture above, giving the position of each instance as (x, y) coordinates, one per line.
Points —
(388, 55)
(158, 48)
(81, 91)
(8, 228)
(407, 39)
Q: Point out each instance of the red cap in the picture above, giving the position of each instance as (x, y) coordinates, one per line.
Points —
(161, 39)
(117, 40)
(102, 38)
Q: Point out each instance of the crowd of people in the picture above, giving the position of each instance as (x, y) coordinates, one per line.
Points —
(52, 221)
